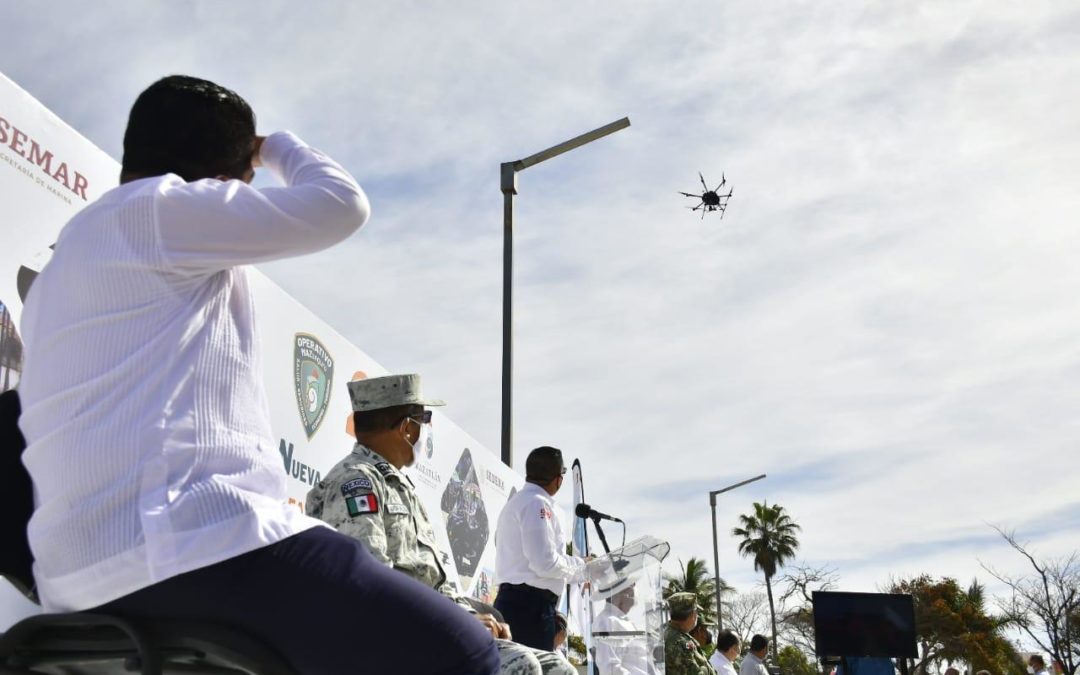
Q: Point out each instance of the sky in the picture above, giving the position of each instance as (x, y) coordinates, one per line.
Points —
(884, 322)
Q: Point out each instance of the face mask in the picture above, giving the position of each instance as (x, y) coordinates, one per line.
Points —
(422, 443)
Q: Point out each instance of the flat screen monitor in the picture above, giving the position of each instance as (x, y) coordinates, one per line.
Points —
(864, 624)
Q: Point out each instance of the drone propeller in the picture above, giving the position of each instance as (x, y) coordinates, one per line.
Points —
(687, 194)
(723, 182)
(703, 181)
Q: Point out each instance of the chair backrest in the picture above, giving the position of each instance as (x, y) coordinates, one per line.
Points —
(16, 499)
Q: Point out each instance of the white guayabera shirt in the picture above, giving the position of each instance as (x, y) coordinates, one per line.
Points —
(721, 663)
(530, 547)
(148, 432)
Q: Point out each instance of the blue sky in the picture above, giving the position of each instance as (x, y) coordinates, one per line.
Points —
(885, 321)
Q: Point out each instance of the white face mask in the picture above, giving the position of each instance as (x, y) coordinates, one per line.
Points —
(422, 443)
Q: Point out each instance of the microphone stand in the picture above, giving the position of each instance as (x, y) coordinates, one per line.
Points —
(600, 531)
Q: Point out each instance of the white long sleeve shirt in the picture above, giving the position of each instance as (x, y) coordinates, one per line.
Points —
(530, 547)
(722, 664)
(618, 654)
(149, 439)
(752, 665)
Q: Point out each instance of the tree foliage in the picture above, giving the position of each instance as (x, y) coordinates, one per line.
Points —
(796, 602)
(746, 614)
(695, 577)
(793, 661)
(952, 624)
(768, 538)
(1045, 603)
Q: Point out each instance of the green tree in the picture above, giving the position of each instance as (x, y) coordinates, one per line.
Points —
(953, 625)
(793, 661)
(768, 536)
(694, 577)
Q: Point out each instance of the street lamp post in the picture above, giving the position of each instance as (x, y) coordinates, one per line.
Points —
(715, 550)
(508, 185)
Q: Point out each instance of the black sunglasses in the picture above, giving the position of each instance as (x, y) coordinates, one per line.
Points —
(421, 417)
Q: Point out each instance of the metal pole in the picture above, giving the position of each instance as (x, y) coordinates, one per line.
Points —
(716, 563)
(508, 185)
(509, 189)
(715, 548)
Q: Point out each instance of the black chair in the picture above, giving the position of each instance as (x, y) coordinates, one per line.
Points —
(88, 644)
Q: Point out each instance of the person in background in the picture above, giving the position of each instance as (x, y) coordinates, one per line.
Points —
(367, 496)
(618, 654)
(143, 403)
(682, 655)
(1058, 667)
(727, 650)
(531, 563)
(1037, 665)
(702, 631)
(754, 661)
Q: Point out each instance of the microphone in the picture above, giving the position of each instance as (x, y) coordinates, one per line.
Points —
(583, 510)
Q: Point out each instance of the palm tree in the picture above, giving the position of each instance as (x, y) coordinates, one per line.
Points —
(768, 536)
(695, 578)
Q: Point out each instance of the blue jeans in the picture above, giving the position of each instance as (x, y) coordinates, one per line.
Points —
(327, 607)
(531, 614)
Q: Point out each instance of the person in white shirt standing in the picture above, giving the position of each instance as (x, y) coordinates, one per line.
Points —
(531, 563)
(727, 650)
(158, 487)
(754, 661)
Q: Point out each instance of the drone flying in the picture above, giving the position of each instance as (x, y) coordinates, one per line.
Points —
(711, 200)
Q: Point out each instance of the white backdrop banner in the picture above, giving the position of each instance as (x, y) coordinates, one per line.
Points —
(48, 172)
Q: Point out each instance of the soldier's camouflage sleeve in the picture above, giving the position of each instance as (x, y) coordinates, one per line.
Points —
(683, 657)
(352, 502)
(554, 664)
(516, 659)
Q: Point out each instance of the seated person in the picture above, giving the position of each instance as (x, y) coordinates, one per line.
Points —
(158, 490)
(367, 497)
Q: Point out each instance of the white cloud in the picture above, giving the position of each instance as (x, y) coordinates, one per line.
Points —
(884, 322)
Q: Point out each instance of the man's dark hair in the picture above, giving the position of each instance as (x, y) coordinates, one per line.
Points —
(726, 640)
(191, 127)
(758, 642)
(1036, 661)
(383, 418)
(543, 465)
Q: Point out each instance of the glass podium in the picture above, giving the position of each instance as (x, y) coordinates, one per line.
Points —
(628, 610)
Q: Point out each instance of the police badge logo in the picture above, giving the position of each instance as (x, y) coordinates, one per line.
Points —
(313, 374)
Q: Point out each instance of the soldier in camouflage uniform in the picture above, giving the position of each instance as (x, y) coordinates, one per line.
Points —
(682, 655)
(366, 496)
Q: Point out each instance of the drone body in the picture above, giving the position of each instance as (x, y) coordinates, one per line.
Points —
(711, 200)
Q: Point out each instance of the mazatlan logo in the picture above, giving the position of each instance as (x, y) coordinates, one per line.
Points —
(313, 374)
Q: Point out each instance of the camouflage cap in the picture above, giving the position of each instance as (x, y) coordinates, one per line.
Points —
(702, 621)
(376, 393)
(682, 603)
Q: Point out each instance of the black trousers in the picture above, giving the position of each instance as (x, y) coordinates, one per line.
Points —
(530, 612)
(328, 607)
